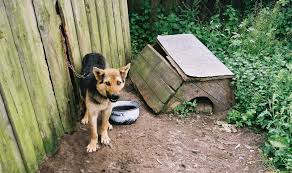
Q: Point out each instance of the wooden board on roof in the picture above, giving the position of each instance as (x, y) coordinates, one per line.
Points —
(193, 57)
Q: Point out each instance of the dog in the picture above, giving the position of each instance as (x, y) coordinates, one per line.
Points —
(99, 88)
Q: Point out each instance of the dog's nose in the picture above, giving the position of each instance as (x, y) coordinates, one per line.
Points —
(115, 96)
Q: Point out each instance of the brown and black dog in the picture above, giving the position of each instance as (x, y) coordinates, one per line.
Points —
(99, 88)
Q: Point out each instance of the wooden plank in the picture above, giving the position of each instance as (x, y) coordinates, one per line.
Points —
(16, 96)
(150, 98)
(104, 39)
(172, 104)
(125, 29)
(161, 52)
(30, 50)
(178, 69)
(169, 75)
(140, 65)
(68, 24)
(226, 86)
(81, 25)
(111, 33)
(10, 157)
(153, 80)
(162, 67)
(189, 91)
(56, 57)
(119, 32)
(220, 92)
(213, 89)
(93, 25)
(175, 66)
(194, 58)
(152, 59)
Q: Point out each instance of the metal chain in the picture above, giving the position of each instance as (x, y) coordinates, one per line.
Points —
(74, 71)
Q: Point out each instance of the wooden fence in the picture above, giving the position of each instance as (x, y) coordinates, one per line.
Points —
(37, 100)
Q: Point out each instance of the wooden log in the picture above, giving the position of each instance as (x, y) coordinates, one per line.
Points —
(31, 53)
(93, 25)
(70, 33)
(16, 96)
(10, 157)
(48, 24)
(126, 29)
(111, 33)
(150, 98)
(104, 39)
(119, 32)
(81, 25)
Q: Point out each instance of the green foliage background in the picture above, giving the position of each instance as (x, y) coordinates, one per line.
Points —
(257, 48)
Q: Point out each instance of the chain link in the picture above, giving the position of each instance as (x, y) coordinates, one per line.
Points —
(74, 71)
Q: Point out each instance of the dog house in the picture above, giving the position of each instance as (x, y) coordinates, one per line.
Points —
(180, 68)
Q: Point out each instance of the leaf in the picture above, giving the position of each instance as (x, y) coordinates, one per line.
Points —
(278, 141)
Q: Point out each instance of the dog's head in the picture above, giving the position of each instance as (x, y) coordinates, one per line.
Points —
(111, 81)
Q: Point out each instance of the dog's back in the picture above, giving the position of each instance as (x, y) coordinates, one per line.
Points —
(89, 61)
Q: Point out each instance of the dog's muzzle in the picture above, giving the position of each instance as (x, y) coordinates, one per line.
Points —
(113, 97)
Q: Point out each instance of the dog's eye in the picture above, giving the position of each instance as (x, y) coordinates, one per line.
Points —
(119, 82)
(108, 83)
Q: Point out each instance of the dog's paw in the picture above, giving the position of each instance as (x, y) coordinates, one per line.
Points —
(110, 127)
(105, 140)
(84, 120)
(92, 147)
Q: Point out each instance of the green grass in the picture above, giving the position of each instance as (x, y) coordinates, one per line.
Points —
(258, 50)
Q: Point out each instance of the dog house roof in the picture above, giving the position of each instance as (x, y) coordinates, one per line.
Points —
(187, 54)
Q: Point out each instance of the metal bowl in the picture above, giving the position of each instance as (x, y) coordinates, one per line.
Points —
(124, 112)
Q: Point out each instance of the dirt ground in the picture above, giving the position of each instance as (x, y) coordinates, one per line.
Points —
(162, 144)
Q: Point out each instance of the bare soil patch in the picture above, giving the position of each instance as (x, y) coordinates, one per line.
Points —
(161, 143)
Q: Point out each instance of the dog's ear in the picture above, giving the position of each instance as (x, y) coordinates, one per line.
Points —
(98, 73)
(124, 71)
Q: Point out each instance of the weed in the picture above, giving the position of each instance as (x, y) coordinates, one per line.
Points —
(185, 108)
(258, 50)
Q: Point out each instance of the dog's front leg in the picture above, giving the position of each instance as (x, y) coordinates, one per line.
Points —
(105, 125)
(93, 146)
(85, 118)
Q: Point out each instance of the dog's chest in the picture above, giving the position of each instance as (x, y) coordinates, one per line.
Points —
(97, 103)
(103, 105)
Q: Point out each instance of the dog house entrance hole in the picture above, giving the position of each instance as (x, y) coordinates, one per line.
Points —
(204, 105)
